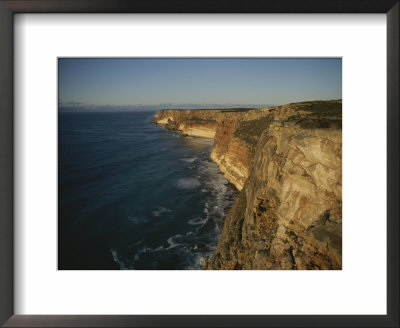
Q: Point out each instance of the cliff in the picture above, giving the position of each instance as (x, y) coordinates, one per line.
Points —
(197, 123)
(235, 133)
(287, 162)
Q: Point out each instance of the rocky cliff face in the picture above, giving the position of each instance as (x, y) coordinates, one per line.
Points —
(197, 123)
(287, 162)
(235, 133)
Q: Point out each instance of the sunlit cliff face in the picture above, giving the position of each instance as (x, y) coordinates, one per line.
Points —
(287, 162)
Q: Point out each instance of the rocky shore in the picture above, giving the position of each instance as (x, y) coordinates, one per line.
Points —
(286, 161)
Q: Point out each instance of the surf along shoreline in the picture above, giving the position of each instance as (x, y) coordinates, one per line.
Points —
(286, 163)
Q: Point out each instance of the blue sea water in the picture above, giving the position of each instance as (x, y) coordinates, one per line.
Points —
(132, 195)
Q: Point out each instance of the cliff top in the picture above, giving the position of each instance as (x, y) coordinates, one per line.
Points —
(317, 114)
(308, 115)
(323, 108)
(233, 110)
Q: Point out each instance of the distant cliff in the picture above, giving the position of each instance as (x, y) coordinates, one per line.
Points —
(287, 163)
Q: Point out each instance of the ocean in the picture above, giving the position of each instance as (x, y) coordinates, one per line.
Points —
(133, 195)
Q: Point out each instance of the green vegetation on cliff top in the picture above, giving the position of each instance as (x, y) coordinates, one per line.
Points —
(250, 131)
(318, 114)
(228, 110)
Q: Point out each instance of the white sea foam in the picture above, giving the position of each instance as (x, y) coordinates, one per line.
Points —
(188, 183)
(201, 241)
(160, 210)
(198, 262)
(172, 243)
(159, 248)
(116, 259)
(146, 249)
(138, 220)
(198, 221)
(189, 159)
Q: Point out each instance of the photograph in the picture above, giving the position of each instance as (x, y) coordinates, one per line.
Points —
(182, 164)
(199, 163)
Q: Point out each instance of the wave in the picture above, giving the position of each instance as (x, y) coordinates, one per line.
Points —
(198, 221)
(160, 210)
(187, 247)
(172, 243)
(188, 183)
(144, 250)
(121, 264)
(189, 159)
(138, 220)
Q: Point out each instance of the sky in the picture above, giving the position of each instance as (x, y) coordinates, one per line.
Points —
(118, 82)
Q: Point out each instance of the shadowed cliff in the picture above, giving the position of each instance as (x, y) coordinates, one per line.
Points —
(287, 163)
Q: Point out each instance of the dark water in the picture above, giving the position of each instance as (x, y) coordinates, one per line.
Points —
(133, 195)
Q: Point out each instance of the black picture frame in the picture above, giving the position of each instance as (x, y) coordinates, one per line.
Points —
(10, 7)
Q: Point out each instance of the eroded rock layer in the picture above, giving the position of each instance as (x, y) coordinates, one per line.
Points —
(287, 162)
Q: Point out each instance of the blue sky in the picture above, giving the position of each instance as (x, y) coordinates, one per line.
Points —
(147, 81)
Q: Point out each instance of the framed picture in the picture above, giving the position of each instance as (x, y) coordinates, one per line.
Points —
(227, 211)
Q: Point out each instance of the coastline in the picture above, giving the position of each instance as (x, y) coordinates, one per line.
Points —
(286, 163)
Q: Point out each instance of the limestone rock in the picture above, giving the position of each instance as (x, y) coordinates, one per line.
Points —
(287, 162)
